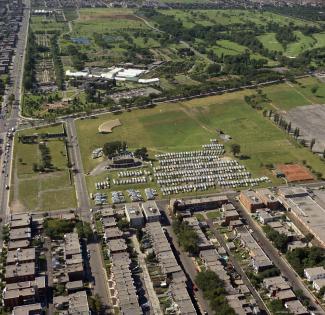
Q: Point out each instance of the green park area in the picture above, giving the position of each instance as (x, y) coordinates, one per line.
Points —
(40, 178)
(187, 125)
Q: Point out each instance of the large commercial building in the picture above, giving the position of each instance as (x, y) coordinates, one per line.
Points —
(307, 211)
(251, 201)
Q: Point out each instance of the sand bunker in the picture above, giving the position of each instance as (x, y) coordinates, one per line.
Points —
(107, 126)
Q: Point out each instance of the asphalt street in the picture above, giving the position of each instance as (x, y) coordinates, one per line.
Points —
(100, 285)
(237, 267)
(9, 115)
(278, 260)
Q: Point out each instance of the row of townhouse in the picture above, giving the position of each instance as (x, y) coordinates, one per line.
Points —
(68, 270)
(278, 288)
(174, 275)
(25, 288)
(121, 284)
(11, 16)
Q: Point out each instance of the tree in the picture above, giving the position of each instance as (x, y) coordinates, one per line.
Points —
(111, 149)
(314, 89)
(141, 153)
(213, 69)
(289, 127)
(235, 149)
(214, 290)
(312, 143)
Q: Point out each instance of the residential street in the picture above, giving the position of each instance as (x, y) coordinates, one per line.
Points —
(277, 259)
(237, 266)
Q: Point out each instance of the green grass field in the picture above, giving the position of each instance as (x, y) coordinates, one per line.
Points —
(188, 125)
(41, 191)
(288, 96)
(233, 16)
(41, 24)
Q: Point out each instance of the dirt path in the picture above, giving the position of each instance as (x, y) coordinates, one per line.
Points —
(301, 94)
(16, 205)
(193, 117)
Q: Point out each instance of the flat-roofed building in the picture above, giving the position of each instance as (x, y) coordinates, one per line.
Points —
(314, 273)
(74, 286)
(268, 198)
(20, 272)
(20, 220)
(108, 222)
(30, 309)
(14, 245)
(134, 215)
(181, 298)
(295, 307)
(151, 211)
(285, 295)
(116, 246)
(199, 204)
(230, 215)
(21, 255)
(112, 233)
(26, 292)
(123, 291)
(292, 192)
(240, 305)
(318, 284)
(275, 284)
(74, 303)
(260, 260)
(20, 234)
(71, 245)
(202, 242)
(250, 200)
(308, 213)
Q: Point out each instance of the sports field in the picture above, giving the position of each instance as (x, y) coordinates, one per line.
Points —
(32, 190)
(187, 125)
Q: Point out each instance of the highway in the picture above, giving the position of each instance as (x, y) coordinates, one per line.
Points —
(10, 115)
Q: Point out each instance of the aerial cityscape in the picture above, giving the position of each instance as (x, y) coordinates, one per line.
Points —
(162, 157)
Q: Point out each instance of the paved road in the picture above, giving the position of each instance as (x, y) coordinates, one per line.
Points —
(98, 272)
(237, 267)
(9, 117)
(96, 260)
(277, 259)
(79, 176)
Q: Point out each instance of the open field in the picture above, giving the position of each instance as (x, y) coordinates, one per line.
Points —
(226, 17)
(41, 191)
(187, 125)
(49, 24)
(289, 95)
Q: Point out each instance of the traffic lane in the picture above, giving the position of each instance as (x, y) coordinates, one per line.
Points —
(100, 286)
(273, 254)
(190, 270)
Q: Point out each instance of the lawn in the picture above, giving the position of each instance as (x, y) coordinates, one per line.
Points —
(227, 17)
(303, 43)
(290, 95)
(214, 214)
(188, 125)
(33, 190)
(270, 42)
